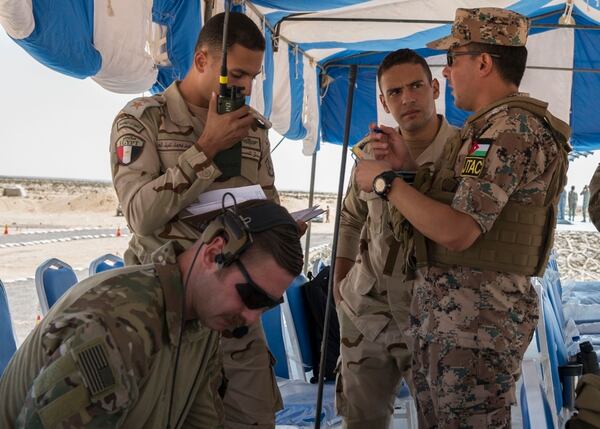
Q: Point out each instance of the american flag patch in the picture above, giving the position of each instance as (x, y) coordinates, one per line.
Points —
(95, 369)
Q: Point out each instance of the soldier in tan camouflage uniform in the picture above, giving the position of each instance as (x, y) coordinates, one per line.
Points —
(594, 208)
(482, 224)
(105, 356)
(168, 149)
(370, 287)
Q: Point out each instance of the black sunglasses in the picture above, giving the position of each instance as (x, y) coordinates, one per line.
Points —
(450, 56)
(252, 295)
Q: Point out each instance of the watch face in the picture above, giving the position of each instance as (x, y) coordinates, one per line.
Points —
(379, 185)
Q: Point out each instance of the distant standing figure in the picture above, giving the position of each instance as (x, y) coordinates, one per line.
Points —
(572, 203)
(327, 214)
(595, 199)
(561, 205)
(586, 202)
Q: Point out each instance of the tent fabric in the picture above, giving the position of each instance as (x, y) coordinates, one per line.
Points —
(138, 45)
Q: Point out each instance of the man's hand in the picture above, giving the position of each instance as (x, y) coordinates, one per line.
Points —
(224, 130)
(388, 145)
(302, 227)
(367, 170)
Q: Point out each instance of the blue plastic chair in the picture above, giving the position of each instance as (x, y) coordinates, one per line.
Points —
(52, 279)
(8, 341)
(271, 321)
(105, 263)
(299, 313)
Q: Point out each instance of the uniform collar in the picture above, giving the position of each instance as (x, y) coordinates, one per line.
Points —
(435, 148)
(177, 106)
(169, 275)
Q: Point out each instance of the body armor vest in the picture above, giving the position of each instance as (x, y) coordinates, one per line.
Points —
(521, 238)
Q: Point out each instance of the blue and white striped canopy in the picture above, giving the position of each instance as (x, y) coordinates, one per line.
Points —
(134, 45)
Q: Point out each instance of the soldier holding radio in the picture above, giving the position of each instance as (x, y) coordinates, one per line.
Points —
(169, 148)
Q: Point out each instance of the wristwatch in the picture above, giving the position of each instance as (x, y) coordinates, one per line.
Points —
(383, 183)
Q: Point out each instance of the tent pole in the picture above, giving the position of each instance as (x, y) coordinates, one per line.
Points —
(351, 84)
(311, 195)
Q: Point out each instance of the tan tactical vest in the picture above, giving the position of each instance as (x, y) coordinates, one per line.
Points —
(522, 236)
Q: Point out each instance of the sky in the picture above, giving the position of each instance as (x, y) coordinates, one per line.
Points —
(52, 125)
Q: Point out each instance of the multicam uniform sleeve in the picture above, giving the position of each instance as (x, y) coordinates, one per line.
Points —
(352, 218)
(266, 173)
(594, 207)
(88, 380)
(207, 409)
(150, 194)
(515, 151)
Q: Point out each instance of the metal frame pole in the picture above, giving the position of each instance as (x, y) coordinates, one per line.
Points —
(351, 84)
(311, 195)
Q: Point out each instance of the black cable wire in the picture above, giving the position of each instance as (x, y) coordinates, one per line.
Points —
(178, 350)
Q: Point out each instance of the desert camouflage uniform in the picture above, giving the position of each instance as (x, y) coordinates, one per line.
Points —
(471, 327)
(104, 355)
(373, 356)
(166, 172)
(594, 208)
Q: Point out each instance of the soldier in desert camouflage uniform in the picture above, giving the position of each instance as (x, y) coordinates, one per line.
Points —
(168, 149)
(105, 354)
(483, 227)
(594, 208)
(372, 292)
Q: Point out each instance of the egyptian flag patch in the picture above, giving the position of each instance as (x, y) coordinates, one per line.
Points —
(129, 148)
(475, 159)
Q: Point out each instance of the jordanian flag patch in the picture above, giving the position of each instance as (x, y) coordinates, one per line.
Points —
(129, 148)
(475, 159)
(480, 148)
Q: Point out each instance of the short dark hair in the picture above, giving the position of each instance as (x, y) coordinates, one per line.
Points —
(242, 31)
(403, 56)
(510, 60)
(281, 242)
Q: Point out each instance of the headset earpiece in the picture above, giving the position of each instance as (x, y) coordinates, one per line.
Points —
(233, 229)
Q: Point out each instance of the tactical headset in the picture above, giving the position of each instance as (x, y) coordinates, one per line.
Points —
(236, 225)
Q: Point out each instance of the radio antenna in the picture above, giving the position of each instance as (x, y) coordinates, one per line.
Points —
(223, 81)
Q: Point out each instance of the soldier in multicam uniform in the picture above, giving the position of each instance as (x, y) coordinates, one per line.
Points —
(594, 208)
(482, 224)
(168, 149)
(105, 356)
(370, 287)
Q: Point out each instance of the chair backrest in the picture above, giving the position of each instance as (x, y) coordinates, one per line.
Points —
(105, 263)
(8, 341)
(271, 321)
(52, 279)
(300, 321)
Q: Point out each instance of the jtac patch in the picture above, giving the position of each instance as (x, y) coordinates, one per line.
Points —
(474, 161)
(129, 148)
(473, 166)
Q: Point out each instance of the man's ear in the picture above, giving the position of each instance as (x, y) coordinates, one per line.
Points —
(211, 253)
(200, 59)
(435, 84)
(383, 103)
(486, 64)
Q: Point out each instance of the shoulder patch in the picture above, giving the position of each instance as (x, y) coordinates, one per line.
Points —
(137, 106)
(129, 122)
(129, 148)
(479, 148)
(95, 369)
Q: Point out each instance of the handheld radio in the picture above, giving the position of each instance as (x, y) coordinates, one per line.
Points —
(230, 99)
